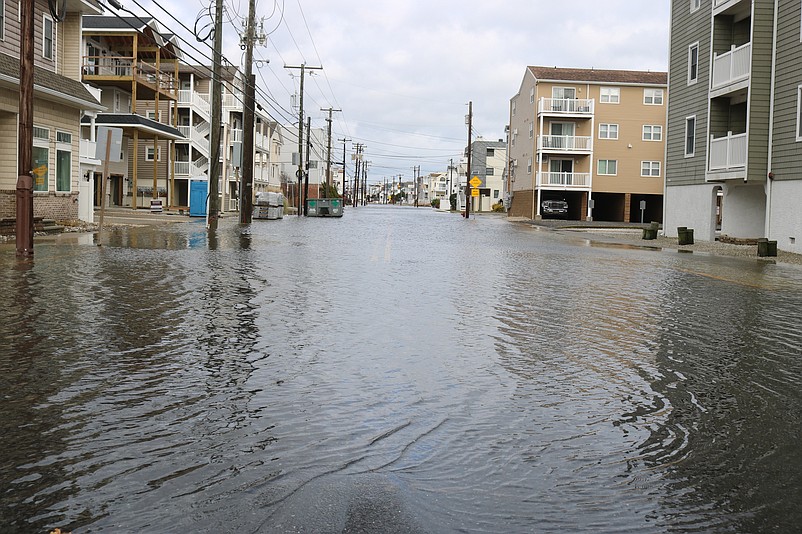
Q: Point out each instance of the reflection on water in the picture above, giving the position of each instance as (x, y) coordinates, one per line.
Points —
(435, 373)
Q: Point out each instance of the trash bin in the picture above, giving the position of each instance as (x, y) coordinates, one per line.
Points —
(651, 231)
(684, 236)
(766, 248)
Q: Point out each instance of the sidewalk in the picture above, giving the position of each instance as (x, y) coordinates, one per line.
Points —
(632, 234)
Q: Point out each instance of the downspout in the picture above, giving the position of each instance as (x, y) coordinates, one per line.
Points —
(769, 174)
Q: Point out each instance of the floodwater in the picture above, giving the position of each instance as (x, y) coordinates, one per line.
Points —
(396, 370)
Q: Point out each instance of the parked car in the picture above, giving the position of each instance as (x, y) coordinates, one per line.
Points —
(554, 207)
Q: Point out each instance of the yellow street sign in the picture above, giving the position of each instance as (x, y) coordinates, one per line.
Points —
(474, 192)
(475, 182)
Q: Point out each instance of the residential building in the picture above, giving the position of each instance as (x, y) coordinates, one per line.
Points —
(593, 138)
(488, 164)
(286, 161)
(735, 120)
(136, 66)
(59, 101)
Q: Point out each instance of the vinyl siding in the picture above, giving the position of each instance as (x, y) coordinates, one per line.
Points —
(687, 100)
(760, 89)
(787, 151)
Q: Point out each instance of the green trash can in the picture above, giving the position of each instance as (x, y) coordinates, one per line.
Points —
(651, 231)
(766, 248)
(684, 236)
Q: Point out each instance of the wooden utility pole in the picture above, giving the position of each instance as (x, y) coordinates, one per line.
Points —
(357, 160)
(306, 165)
(300, 172)
(217, 116)
(328, 148)
(24, 195)
(246, 198)
(468, 172)
(343, 141)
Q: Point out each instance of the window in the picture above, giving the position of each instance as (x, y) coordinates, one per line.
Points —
(152, 115)
(47, 38)
(491, 152)
(489, 171)
(799, 113)
(608, 167)
(693, 63)
(495, 193)
(532, 96)
(608, 131)
(40, 158)
(652, 132)
(149, 154)
(2, 21)
(650, 168)
(695, 5)
(690, 136)
(63, 161)
(610, 95)
(531, 130)
(653, 97)
(529, 166)
(513, 108)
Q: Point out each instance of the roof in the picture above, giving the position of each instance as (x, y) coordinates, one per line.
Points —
(599, 75)
(146, 126)
(49, 85)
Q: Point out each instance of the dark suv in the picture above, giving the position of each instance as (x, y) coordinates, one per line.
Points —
(554, 207)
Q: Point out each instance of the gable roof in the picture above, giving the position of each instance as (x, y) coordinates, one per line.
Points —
(599, 76)
(49, 85)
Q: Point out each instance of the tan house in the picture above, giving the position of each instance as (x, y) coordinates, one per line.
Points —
(591, 139)
(59, 101)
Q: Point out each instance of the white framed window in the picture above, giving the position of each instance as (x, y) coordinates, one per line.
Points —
(650, 168)
(608, 131)
(48, 37)
(40, 159)
(532, 95)
(653, 97)
(652, 132)
(152, 115)
(610, 95)
(2, 21)
(690, 136)
(608, 167)
(513, 108)
(695, 5)
(489, 171)
(799, 113)
(63, 162)
(529, 166)
(531, 130)
(149, 154)
(693, 63)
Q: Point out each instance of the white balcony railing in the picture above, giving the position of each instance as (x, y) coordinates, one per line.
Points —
(232, 102)
(565, 143)
(236, 136)
(732, 66)
(728, 152)
(182, 168)
(566, 106)
(198, 101)
(88, 149)
(564, 179)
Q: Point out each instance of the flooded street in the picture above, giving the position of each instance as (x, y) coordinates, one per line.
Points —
(396, 370)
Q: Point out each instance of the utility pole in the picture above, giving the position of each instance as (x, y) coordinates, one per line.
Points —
(306, 172)
(24, 196)
(365, 183)
(358, 159)
(343, 141)
(468, 172)
(217, 115)
(300, 172)
(246, 198)
(328, 148)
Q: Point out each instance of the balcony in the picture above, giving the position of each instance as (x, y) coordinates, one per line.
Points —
(720, 6)
(564, 144)
(564, 180)
(182, 168)
(197, 101)
(728, 153)
(730, 68)
(122, 70)
(88, 152)
(580, 107)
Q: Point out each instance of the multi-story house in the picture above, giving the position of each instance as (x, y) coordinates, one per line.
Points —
(488, 163)
(286, 161)
(59, 101)
(135, 64)
(593, 138)
(735, 120)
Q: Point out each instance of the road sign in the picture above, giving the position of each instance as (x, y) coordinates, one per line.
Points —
(115, 150)
(474, 192)
(475, 182)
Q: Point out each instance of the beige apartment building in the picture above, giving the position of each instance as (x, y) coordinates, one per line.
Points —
(591, 139)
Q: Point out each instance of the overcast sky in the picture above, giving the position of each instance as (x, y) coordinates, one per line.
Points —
(404, 71)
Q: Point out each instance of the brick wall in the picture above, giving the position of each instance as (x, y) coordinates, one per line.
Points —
(56, 206)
